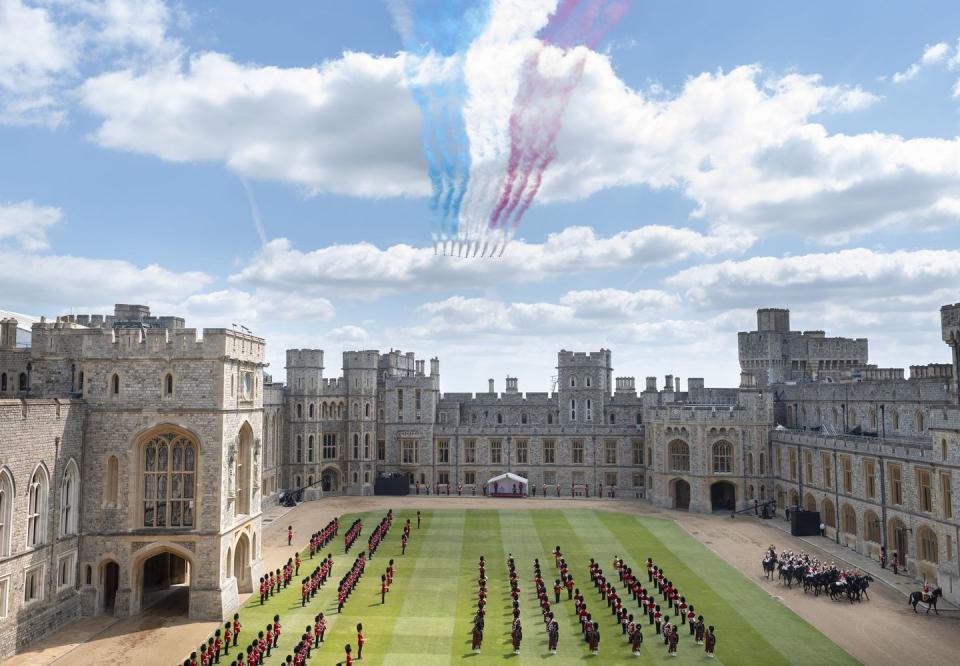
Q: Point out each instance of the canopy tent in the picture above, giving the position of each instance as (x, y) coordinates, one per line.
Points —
(507, 485)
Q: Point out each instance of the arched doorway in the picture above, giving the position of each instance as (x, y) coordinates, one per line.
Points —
(109, 582)
(680, 492)
(165, 584)
(723, 496)
(241, 564)
(330, 480)
(899, 540)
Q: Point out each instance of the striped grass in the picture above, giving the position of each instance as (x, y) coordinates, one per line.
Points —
(428, 613)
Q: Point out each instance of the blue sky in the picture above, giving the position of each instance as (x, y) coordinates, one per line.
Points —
(715, 158)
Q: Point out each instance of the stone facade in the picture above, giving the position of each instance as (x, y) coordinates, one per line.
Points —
(166, 431)
(94, 399)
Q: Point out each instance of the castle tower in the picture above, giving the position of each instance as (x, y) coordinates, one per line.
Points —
(360, 377)
(950, 327)
(584, 383)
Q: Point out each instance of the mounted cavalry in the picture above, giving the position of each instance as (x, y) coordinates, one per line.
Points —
(926, 596)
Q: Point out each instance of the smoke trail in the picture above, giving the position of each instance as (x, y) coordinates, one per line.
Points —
(542, 100)
(254, 211)
(435, 36)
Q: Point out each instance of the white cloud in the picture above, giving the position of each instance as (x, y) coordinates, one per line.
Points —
(743, 145)
(616, 303)
(262, 306)
(323, 128)
(348, 334)
(46, 47)
(859, 279)
(936, 53)
(27, 224)
(39, 282)
(363, 268)
(576, 311)
(932, 55)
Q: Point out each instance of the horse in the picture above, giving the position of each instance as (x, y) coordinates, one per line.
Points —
(769, 564)
(931, 602)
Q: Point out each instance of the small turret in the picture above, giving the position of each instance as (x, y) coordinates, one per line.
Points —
(8, 333)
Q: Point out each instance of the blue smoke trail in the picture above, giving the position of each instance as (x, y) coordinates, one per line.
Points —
(443, 29)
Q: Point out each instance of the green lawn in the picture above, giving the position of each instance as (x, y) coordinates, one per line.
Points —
(427, 617)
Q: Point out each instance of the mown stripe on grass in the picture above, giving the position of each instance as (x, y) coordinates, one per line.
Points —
(791, 636)
(482, 537)
(424, 624)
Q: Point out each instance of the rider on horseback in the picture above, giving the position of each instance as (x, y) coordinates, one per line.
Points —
(925, 595)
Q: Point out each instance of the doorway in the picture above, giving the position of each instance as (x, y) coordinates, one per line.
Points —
(110, 581)
(681, 495)
(723, 496)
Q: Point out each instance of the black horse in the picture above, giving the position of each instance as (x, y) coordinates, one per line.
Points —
(769, 564)
(930, 601)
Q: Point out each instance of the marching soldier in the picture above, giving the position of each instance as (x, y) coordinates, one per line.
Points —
(553, 636)
(711, 640)
(477, 637)
(636, 640)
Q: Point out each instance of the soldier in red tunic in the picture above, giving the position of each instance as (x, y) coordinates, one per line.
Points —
(217, 645)
(359, 640)
(289, 534)
(276, 630)
(383, 589)
(236, 628)
(319, 629)
(226, 638)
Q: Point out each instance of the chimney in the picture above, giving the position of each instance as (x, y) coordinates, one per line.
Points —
(651, 384)
(8, 333)
(490, 384)
(668, 383)
(434, 367)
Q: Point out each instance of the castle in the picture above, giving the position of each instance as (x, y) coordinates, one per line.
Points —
(137, 455)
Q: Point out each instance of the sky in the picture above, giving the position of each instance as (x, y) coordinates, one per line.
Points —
(261, 164)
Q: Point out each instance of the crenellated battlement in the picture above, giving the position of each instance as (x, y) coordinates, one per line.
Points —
(65, 338)
(305, 358)
(597, 359)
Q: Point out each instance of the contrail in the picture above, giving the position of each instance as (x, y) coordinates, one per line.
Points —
(254, 211)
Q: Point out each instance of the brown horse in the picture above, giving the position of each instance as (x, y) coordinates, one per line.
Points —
(930, 601)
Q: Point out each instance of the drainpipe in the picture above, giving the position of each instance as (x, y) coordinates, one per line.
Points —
(800, 463)
(883, 502)
(836, 495)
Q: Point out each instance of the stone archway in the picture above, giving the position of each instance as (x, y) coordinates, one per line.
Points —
(109, 584)
(723, 496)
(899, 541)
(330, 480)
(241, 564)
(680, 494)
(164, 583)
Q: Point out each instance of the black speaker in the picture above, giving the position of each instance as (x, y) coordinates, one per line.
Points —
(392, 485)
(805, 523)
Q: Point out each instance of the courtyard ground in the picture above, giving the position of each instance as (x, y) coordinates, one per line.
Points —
(883, 630)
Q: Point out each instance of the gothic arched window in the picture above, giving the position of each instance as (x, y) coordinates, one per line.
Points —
(37, 508)
(69, 488)
(169, 471)
(722, 457)
(679, 456)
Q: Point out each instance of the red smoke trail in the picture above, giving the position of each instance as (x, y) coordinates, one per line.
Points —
(541, 101)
